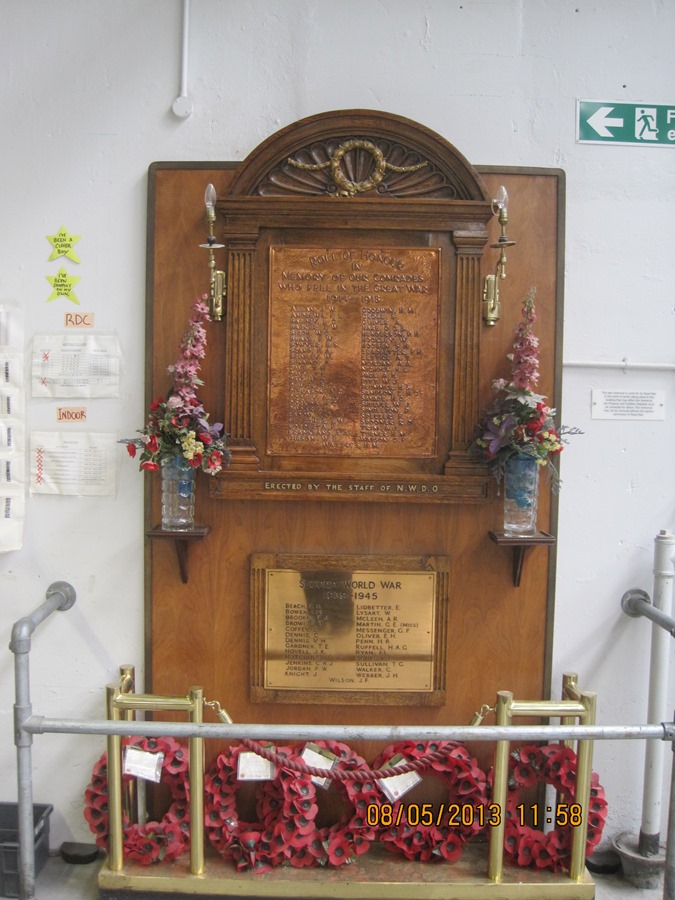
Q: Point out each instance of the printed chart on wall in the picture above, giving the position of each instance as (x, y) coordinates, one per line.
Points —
(79, 463)
(75, 365)
(12, 429)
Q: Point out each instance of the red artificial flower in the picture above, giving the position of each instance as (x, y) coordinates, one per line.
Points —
(301, 858)
(155, 405)
(152, 445)
(204, 437)
(451, 848)
(338, 850)
(149, 466)
(131, 450)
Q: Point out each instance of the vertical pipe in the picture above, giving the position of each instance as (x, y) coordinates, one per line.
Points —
(197, 785)
(650, 830)
(114, 745)
(184, 49)
(59, 595)
(24, 761)
(499, 788)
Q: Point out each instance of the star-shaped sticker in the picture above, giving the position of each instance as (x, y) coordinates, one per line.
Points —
(63, 285)
(63, 244)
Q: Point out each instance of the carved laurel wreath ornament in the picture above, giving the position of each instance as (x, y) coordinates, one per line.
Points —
(349, 188)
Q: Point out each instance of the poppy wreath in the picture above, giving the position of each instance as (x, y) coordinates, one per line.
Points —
(342, 842)
(556, 765)
(285, 806)
(453, 823)
(154, 841)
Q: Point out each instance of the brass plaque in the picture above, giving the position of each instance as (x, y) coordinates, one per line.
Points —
(354, 341)
(329, 628)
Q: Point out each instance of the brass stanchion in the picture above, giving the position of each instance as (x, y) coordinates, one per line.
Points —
(581, 705)
(121, 704)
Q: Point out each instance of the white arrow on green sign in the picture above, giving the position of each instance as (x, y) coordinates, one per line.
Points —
(604, 122)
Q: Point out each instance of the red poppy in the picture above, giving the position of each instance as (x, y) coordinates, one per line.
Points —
(451, 848)
(301, 858)
(149, 466)
(338, 851)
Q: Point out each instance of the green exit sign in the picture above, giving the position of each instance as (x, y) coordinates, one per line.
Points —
(604, 122)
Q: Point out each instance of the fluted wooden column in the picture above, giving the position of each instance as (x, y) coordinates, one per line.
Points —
(238, 392)
(468, 295)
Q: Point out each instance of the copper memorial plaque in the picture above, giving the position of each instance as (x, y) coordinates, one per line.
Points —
(354, 339)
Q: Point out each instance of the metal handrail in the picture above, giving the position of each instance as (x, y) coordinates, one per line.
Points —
(61, 596)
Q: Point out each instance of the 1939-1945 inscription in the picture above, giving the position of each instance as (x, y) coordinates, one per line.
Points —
(353, 351)
(349, 629)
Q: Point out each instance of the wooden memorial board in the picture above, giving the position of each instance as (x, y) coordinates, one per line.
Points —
(199, 631)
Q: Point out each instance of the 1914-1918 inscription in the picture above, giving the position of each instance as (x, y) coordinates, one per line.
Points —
(353, 351)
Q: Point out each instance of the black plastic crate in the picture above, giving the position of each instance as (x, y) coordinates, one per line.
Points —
(9, 844)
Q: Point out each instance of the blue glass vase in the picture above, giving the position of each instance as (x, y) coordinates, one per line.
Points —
(178, 493)
(521, 493)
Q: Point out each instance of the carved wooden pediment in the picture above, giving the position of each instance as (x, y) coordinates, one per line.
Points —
(354, 243)
(358, 153)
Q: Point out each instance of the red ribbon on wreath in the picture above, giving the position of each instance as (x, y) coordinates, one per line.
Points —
(556, 765)
(453, 823)
(154, 841)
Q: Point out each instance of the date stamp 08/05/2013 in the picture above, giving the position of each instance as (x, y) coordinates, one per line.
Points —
(466, 815)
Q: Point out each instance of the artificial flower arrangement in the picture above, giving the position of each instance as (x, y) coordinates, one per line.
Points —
(519, 423)
(179, 425)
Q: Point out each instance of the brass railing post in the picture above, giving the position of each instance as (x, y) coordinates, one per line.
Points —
(575, 704)
(114, 764)
(122, 704)
(197, 785)
(499, 789)
(582, 794)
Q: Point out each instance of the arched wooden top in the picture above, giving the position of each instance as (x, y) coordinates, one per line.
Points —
(358, 153)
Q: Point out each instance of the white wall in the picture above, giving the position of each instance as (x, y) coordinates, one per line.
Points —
(87, 92)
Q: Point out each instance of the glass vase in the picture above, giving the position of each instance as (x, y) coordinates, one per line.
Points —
(178, 493)
(521, 492)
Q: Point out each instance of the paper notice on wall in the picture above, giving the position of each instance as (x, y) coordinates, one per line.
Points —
(650, 405)
(76, 365)
(81, 464)
(12, 428)
(12, 515)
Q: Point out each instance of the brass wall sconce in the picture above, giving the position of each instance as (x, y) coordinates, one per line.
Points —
(491, 305)
(217, 277)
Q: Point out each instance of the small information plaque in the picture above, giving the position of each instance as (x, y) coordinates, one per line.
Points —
(650, 405)
(345, 627)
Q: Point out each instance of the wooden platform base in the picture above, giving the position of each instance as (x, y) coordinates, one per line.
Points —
(375, 875)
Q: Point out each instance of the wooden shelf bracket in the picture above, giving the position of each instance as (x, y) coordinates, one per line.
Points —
(519, 544)
(182, 540)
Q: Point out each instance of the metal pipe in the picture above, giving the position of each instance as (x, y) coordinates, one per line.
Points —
(665, 731)
(636, 603)
(625, 364)
(59, 595)
(650, 830)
